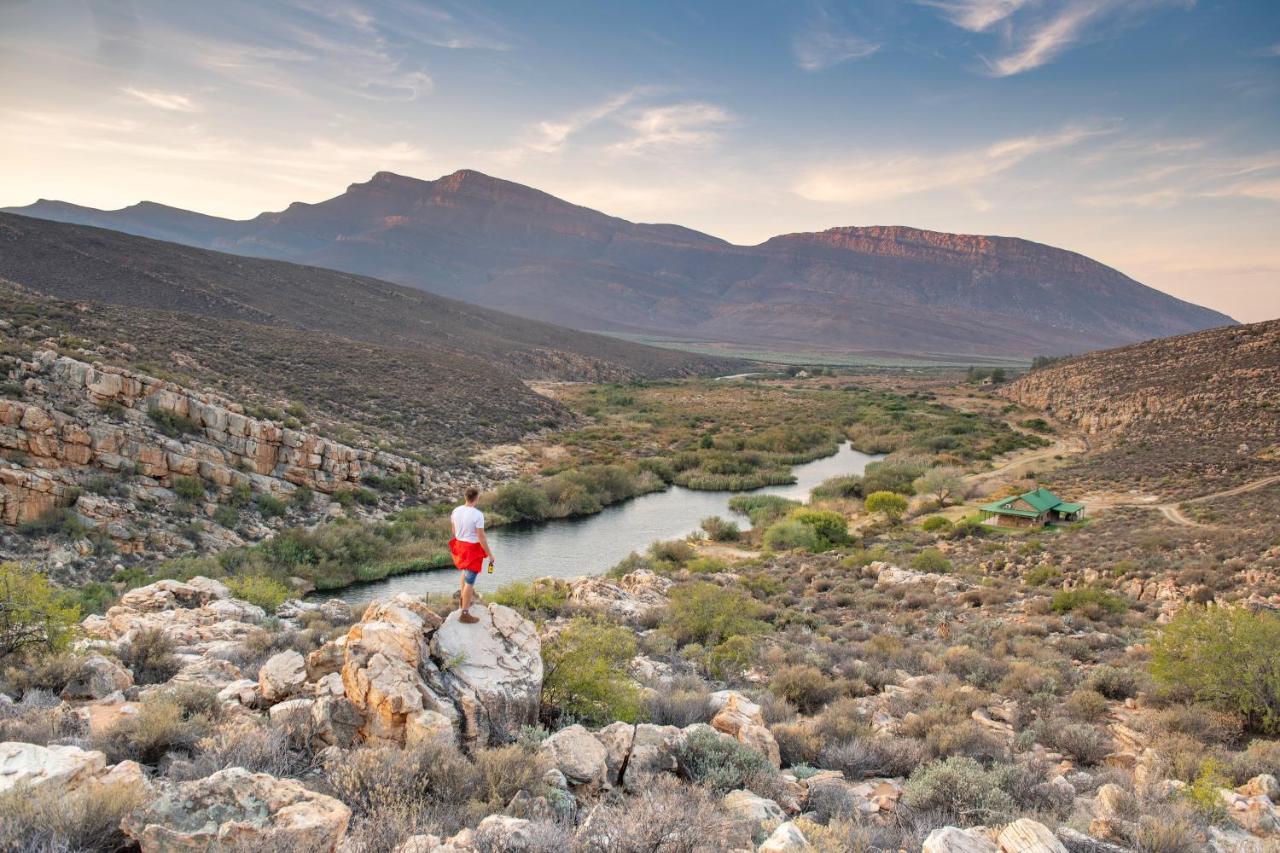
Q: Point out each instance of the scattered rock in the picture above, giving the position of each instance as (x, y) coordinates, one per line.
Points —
(282, 676)
(950, 839)
(579, 756)
(1027, 836)
(787, 838)
(748, 806)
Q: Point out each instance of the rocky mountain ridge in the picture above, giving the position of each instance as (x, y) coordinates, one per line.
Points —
(495, 242)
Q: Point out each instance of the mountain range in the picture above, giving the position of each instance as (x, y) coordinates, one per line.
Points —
(507, 246)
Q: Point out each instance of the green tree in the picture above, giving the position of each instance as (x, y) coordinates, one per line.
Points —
(584, 673)
(1225, 656)
(832, 527)
(33, 613)
(943, 484)
(889, 504)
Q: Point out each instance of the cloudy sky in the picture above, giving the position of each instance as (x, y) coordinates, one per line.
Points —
(1144, 133)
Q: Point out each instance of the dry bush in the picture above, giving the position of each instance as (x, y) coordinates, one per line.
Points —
(1166, 827)
(1198, 721)
(1087, 744)
(38, 718)
(261, 748)
(540, 836)
(1114, 682)
(959, 789)
(804, 686)
(775, 709)
(681, 702)
(48, 672)
(374, 779)
(665, 817)
(857, 833)
(963, 738)
(173, 721)
(883, 755)
(841, 721)
(1261, 756)
(507, 770)
(798, 743)
(1087, 705)
(48, 819)
(149, 656)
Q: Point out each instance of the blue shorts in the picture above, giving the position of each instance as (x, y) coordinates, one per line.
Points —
(470, 576)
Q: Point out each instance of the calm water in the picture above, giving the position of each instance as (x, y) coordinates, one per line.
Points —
(594, 544)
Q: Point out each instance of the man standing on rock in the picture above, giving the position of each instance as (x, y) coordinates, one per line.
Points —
(469, 548)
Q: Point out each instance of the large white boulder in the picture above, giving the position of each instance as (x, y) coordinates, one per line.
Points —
(580, 756)
(952, 839)
(282, 676)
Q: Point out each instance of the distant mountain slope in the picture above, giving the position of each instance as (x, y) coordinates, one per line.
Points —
(1192, 411)
(505, 245)
(75, 262)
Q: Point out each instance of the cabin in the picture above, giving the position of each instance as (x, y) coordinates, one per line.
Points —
(1031, 509)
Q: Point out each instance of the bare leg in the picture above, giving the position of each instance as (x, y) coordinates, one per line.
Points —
(467, 591)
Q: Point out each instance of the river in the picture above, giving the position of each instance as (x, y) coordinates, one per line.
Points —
(593, 544)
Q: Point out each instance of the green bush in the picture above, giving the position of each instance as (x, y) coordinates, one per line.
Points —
(931, 560)
(33, 613)
(227, 516)
(936, 524)
(266, 592)
(720, 530)
(762, 509)
(541, 599)
(59, 520)
(836, 488)
(520, 502)
(584, 675)
(792, 535)
(889, 504)
(804, 686)
(722, 764)
(1090, 599)
(270, 506)
(704, 613)
(893, 475)
(960, 789)
(1226, 657)
(1041, 575)
(832, 527)
(188, 488)
(172, 425)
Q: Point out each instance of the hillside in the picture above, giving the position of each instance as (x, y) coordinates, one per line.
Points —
(74, 262)
(1178, 415)
(499, 243)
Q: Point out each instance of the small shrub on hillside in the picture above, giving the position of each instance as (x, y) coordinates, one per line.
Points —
(59, 521)
(167, 722)
(893, 475)
(762, 510)
(832, 528)
(721, 530)
(722, 764)
(171, 424)
(681, 703)
(1225, 657)
(266, 592)
(1087, 705)
(889, 504)
(1087, 744)
(585, 673)
(33, 613)
(49, 818)
(931, 560)
(1041, 575)
(961, 790)
(936, 524)
(507, 770)
(836, 488)
(804, 686)
(1089, 600)
(704, 613)
(536, 599)
(668, 816)
(271, 506)
(791, 535)
(149, 655)
(188, 488)
(675, 552)
(728, 660)
(375, 779)
(878, 755)
(1113, 682)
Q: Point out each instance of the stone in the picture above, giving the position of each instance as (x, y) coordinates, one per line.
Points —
(97, 678)
(627, 599)
(325, 660)
(293, 715)
(787, 838)
(335, 721)
(740, 718)
(419, 844)
(1025, 835)
(616, 738)
(236, 809)
(653, 751)
(577, 754)
(492, 670)
(951, 839)
(750, 807)
(207, 672)
(32, 765)
(282, 676)
(1077, 841)
(1111, 802)
(427, 726)
(243, 691)
(1264, 785)
(508, 834)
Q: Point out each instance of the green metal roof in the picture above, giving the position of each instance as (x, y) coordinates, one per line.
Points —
(1066, 507)
(1042, 500)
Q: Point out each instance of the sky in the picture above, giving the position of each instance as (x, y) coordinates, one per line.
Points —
(1142, 133)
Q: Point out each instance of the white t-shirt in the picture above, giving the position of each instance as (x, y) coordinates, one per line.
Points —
(466, 521)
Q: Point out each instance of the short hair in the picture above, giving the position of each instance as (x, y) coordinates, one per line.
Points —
(472, 493)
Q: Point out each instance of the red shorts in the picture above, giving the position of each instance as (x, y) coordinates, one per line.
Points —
(467, 556)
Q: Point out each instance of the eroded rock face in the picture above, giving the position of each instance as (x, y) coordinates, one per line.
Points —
(196, 616)
(236, 809)
(32, 765)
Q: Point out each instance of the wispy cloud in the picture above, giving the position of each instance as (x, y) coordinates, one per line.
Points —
(976, 15)
(1159, 174)
(882, 178)
(695, 124)
(825, 41)
(175, 101)
(549, 136)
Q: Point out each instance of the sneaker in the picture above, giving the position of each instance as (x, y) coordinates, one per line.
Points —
(468, 619)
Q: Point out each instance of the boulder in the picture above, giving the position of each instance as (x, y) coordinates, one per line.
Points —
(951, 839)
(1025, 835)
(282, 676)
(581, 757)
(787, 838)
(335, 721)
(207, 672)
(508, 834)
(97, 678)
(242, 691)
(616, 738)
(426, 726)
(653, 751)
(755, 809)
(32, 765)
(236, 809)
(740, 718)
(1264, 785)
(492, 670)
(627, 599)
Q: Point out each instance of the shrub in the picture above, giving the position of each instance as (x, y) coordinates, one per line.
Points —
(149, 655)
(188, 488)
(721, 530)
(59, 520)
(262, 590)
(682, 702)
(1113, 682)
(803, 686)
(227, 516)
(50, 818)
(832, 527)
(666, 815)
(373, 779)
(723, 764)
(960, 789)
(791, 535)
(172, 425)
(944, 484)
(703, 613)
(762, 509)
(847, 486)
(1087, 744)
(270, 506)
(521, 502)
(881, 755)
(33, 613)
(537, 599)
(1041, 575)
(889, 504)
(931, 560)
(1225, 657)
(1088, 705)
(507, 770)
(585, 673)
(171, 721)
(892, 475)
(1091, 600)
(935, 524)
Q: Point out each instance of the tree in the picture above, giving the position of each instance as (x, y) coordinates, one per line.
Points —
(586, 673)
(889, 504)
(33, 613)
(942, 484)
